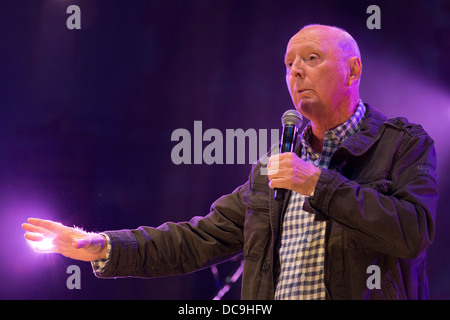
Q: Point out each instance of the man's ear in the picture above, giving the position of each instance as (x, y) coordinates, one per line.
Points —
(355, 70)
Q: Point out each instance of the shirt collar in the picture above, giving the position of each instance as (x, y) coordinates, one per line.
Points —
(341, 132)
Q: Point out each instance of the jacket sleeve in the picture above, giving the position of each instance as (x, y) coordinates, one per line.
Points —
(178, 248)
(398, 222)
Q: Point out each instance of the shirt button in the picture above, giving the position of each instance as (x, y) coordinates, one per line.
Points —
(309, 239)
(302, 277)
(266, 265)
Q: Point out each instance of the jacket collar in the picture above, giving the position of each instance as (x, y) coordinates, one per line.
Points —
(370, 132)
(360, 142)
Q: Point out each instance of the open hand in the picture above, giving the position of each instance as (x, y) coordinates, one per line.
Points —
(70, 242)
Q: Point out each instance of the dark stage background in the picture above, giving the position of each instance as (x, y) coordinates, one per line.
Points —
(86, 117)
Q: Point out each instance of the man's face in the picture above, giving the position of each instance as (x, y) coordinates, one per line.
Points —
(316, 73)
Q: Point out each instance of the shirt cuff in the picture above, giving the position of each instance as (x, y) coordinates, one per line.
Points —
(99, 265)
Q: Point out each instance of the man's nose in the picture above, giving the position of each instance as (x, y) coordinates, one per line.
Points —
(297, 69)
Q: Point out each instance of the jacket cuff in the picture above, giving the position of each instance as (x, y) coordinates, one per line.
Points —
(99, 265)
(121, 260)
(326, 186)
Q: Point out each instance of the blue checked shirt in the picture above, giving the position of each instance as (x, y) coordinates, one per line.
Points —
(302, 248)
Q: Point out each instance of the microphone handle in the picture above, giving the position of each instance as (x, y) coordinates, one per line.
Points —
(287, 145)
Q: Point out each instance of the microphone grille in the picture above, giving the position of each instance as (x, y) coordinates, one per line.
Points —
(292, 117)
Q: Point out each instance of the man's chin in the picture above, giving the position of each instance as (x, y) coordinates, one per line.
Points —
(308, 108)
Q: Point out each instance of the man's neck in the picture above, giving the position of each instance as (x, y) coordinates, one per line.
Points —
(319, 129)
(316, 143)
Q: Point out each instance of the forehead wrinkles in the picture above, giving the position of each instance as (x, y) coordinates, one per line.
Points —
(304, 41)
(312, 39)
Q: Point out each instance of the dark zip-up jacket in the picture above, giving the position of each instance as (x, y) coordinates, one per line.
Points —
(379, 194)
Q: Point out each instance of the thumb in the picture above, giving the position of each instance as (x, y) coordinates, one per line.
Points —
(82, 243)
(93, 242)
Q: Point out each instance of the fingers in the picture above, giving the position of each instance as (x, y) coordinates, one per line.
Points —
(281, 182)
(46, 224)
(46, 233)
(40, 239)
(273, 165)
(280, 161)
(40, 243)
(288, 171)
(34, 236)
(41, 232)
(279, 165)
(35, 229)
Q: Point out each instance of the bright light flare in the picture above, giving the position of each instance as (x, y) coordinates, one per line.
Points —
(43, 246)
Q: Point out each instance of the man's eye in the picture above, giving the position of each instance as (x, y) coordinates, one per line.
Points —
(288, 67)
(312, 59)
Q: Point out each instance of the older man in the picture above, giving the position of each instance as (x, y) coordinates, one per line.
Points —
(362, 199)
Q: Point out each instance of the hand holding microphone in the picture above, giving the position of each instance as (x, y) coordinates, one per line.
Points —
(286, 170)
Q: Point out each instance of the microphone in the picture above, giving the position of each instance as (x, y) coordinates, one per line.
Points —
(291, 120)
